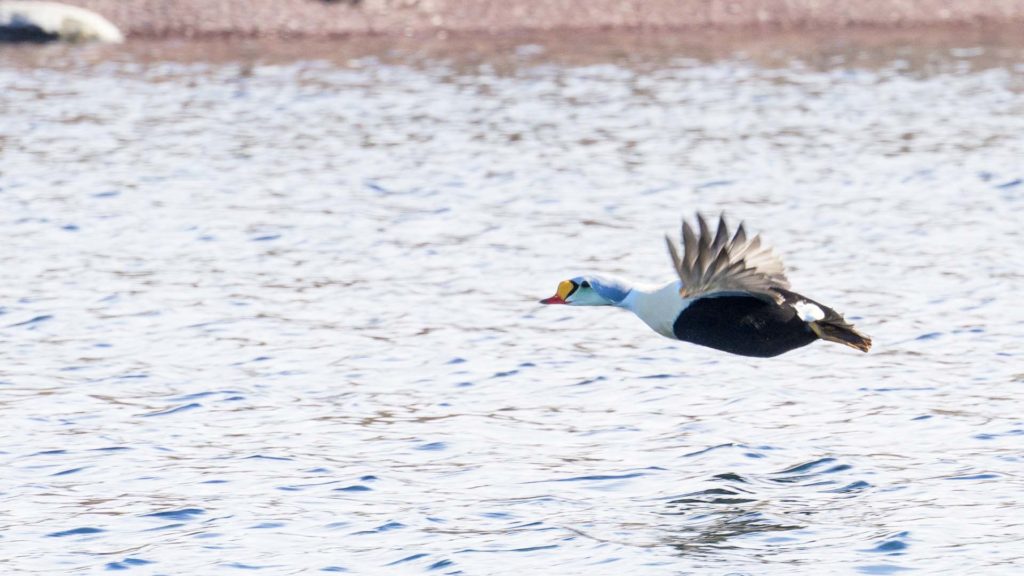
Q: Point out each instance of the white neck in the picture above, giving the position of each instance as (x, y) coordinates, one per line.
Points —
(657, 306)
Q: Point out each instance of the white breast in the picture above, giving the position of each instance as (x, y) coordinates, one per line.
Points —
(657, 307)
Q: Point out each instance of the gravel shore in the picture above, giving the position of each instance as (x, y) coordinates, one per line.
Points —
(320, 18)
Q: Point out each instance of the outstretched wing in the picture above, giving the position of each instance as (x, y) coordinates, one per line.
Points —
(717, 263)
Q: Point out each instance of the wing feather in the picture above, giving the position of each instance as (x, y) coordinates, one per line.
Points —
(715, 263)
(689, 244)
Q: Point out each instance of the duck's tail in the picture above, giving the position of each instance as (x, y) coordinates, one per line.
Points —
(834, 329)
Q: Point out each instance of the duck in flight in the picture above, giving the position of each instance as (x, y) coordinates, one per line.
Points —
(732, 294)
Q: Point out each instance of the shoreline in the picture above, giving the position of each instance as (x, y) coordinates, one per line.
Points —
(151, 19)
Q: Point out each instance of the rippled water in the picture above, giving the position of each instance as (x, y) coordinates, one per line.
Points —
(274, 308)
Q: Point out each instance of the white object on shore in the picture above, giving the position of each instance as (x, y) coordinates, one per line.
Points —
(21, 20)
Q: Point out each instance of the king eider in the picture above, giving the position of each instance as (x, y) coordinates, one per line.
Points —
(732, 295)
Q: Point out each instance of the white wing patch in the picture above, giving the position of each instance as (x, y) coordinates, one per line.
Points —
(808, 312)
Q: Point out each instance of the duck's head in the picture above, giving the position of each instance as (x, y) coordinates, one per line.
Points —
(589, 291)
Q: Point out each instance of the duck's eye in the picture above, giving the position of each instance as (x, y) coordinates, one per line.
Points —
(584, 284)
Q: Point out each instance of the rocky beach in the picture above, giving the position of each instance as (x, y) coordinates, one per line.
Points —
(439, 18)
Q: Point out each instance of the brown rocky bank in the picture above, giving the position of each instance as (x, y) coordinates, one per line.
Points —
(320, 18)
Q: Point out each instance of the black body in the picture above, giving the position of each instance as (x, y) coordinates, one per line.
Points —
(746, 325)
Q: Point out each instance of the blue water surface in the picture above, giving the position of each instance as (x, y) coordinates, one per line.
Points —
(273, 309)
